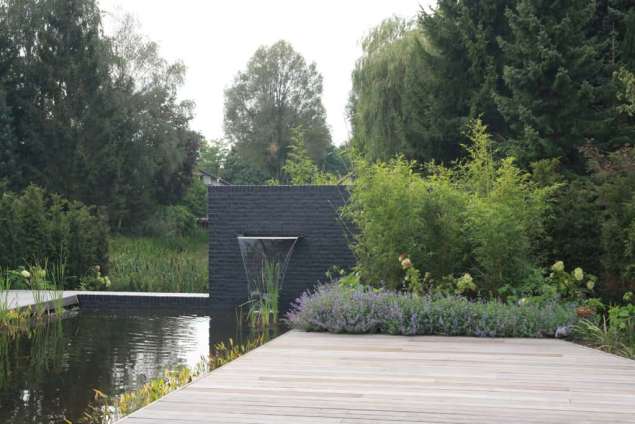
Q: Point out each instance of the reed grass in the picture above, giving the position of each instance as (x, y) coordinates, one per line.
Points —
(21, 320)
(264, 303)
(159, 264)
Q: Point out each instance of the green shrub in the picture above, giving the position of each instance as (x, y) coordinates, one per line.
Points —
(573, 231)
(483, 217)
(615, 176)
(558, 285)
(159, 264)
(195, 199)
(37, 228)
(170, 221)
(397, 211)
(362, 310)
(505, 214)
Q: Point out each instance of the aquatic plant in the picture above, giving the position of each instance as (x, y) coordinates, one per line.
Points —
(158, 264)
(20, 320)
(264, 302)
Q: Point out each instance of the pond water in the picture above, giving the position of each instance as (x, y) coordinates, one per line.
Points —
(52, 373)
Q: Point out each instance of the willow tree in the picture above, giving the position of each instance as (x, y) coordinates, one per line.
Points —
(385, 107)
(276, 93)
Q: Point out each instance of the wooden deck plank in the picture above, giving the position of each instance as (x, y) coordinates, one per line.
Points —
(310, 378)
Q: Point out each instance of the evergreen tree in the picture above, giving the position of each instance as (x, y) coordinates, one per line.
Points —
(9, 160)
(465, 63)
(559, 91)
(92, 118)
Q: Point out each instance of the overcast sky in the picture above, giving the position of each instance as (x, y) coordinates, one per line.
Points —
(215, 39)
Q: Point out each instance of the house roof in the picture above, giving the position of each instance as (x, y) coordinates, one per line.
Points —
(212, 176)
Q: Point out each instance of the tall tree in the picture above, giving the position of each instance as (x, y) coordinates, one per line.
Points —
(385, 106)
(275, 94)
(10, 169)
(465, 65)
(212, 156)
(93, 118)
(559, 90)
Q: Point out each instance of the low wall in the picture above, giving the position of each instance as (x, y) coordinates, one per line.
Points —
(307, 211)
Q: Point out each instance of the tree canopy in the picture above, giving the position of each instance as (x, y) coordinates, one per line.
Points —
(91, 117)
(546, 78)
(277, 93)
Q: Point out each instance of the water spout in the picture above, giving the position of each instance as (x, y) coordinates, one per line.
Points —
(265, 260)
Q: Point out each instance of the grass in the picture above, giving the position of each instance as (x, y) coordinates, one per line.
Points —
(159, 264)
(604, 337)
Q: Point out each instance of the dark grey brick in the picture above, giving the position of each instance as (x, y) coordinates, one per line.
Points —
(308, 211)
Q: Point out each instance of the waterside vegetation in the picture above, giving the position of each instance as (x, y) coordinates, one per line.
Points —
(107, 409)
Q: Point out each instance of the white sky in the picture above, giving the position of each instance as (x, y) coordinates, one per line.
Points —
(215, 39)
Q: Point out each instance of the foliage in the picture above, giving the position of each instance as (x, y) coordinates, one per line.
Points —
(463, 70)
(26, 320)
(396, 211)
(618, 336)
(195, 202)
(174, 220)
(603, 337)
(384, 108)
(36, 227)
(558, 285)
(264, 295)
(544, 77)
(239, 171)
(560, 91)
(277, 93)
(504, 215)
(212, 155)
(94, 280)
(626, 93)
(483, 217)
(300, 169)
(91, 117)
(572, 231)
(159, 264)
(362, 310)
(614, 175)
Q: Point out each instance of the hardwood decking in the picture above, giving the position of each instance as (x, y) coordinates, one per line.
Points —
(346, 379)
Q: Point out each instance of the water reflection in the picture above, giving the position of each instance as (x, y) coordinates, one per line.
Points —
(51, 373)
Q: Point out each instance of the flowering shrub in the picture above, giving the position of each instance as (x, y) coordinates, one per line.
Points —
(338, 309)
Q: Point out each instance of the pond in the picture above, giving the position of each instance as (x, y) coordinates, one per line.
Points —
(51, 374)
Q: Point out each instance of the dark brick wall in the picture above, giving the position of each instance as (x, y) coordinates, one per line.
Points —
(308, 211)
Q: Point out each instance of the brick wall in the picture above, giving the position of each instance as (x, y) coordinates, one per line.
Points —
(307, 211)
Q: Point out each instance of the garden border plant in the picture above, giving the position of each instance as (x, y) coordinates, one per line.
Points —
(361, 309)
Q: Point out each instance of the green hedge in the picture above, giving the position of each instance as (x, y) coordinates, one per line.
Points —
(362, 310)
(37, 228)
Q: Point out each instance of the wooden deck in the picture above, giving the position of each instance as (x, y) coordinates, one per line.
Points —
(345, 379)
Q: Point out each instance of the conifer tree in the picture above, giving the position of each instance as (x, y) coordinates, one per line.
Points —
(559, 93)
(465, 63)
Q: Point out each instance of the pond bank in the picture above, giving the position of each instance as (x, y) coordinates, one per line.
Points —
(17, 299)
